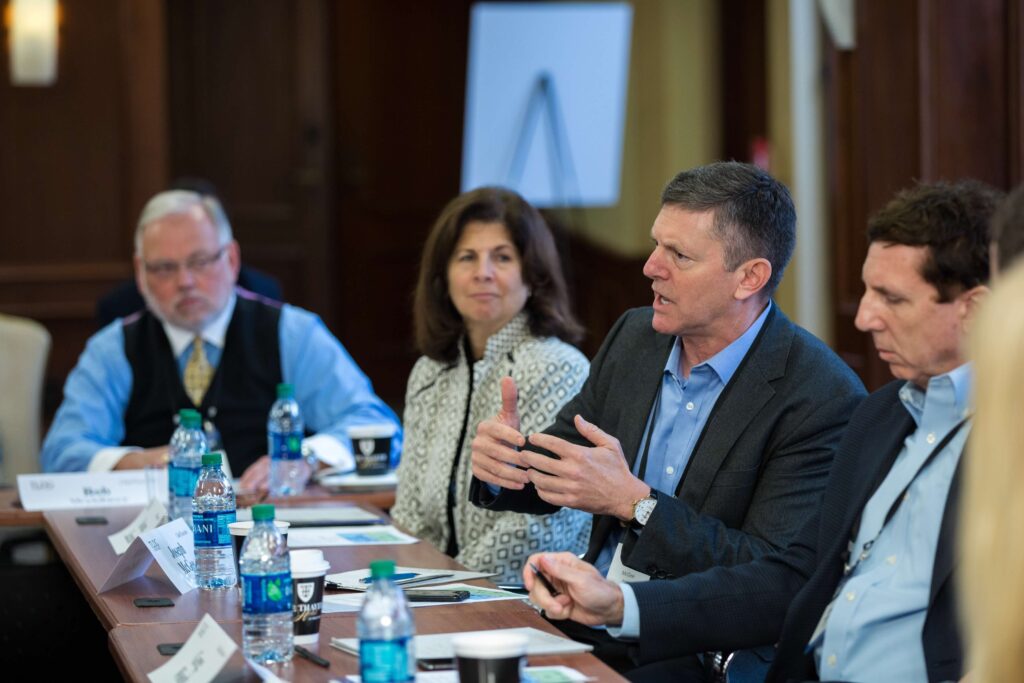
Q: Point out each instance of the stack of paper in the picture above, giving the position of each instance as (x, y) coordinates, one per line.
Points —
(439, 645)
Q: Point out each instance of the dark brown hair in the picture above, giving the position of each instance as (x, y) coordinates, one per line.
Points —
(952, 220)
(438, 325)
(754, 214)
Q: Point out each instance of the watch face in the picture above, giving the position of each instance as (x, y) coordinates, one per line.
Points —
(644, 509)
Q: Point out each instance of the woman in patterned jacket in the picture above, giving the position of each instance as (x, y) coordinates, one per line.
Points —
(490, 302)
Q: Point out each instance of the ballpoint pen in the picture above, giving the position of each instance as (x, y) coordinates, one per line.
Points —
(311, 656)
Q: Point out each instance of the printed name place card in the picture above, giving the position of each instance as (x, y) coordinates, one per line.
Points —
(76, 490)
(201, 658)
(171, 545)
(152, 516)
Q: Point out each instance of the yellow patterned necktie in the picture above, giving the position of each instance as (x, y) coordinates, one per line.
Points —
(198, 372)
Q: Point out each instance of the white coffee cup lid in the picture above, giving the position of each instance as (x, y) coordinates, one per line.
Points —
(243, 528)
(308, 562)
(489, 646)
(383, 430)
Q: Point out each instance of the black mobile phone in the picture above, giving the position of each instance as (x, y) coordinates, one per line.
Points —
(153, 602)
(436, 664)
(91, 519)
(169, 649)
(436, 596)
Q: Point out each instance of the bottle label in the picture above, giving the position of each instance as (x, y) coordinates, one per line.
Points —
(210, 528)
(286, 446)
(266, 593)
(386, 661)
(183, 480)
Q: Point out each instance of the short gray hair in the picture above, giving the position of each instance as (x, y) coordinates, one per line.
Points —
(174, 202)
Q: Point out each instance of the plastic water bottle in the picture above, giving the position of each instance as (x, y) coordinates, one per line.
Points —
(266, 591)
(285, 429)
(385, 630)
(188, 443)
(213, 509)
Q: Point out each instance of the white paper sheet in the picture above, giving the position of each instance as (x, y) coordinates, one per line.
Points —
(326, 536)
(352, 602)
(439, 645)
(353, 580)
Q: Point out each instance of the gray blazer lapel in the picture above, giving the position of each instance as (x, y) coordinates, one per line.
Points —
(740, 402)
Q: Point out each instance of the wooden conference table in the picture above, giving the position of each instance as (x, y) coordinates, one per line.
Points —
(135, 632)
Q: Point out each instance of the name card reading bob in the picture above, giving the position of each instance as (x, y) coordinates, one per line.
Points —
(77, 490)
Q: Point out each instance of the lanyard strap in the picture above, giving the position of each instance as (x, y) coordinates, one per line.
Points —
(849, 566)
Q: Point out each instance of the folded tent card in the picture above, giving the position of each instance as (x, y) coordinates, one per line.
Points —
(171, 545)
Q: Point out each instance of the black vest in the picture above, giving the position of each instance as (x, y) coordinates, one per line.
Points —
(239, 396)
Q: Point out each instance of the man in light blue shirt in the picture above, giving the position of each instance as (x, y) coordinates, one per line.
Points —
(704, 433)
(121, 398)
(865, 592)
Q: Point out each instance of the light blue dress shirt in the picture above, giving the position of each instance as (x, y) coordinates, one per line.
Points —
(679, 417)
(333, 393)
(676, 430)
(873, 631)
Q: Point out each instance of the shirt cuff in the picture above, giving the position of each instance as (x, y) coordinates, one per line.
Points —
(630, 628)
(493, 488)
(106, 459)
(330, 451)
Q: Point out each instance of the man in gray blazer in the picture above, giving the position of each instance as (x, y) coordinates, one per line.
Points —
(704, 433)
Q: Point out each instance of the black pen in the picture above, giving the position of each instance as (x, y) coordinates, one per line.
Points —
(311, 656)
(544, 581)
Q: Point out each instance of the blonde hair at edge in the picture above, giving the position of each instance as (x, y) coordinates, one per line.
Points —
(992, 520)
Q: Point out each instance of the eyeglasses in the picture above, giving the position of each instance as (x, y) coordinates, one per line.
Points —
(198, 264)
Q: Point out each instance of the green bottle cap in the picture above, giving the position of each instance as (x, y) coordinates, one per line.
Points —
(190, 418)
(261, 513)
(382, 569)
(211, 459)
(285, 390)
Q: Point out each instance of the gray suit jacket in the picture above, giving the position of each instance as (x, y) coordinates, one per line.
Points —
(757, 469)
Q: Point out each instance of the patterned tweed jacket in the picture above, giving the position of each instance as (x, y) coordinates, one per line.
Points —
(548, 372)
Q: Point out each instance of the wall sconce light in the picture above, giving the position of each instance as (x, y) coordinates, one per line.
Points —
(32, 41)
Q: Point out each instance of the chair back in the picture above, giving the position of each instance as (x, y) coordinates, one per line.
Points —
(24, 347)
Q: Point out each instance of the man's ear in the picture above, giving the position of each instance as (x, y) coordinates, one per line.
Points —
(234, 258)
(754, 275)
(971, 300)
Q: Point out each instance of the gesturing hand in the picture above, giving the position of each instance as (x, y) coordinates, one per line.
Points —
(495, 454)
(594, 479)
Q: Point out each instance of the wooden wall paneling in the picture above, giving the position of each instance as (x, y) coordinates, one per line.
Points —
(744, 77)
(76, 158)
(930, 92)
(400, 92)
(249, 113)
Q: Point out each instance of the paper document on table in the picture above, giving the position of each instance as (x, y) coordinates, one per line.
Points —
(152, 516)
(319, 537)
(201, 658)
(359, 579)
(352, 602)
(318, 516)
(439, 645)
(536, 674)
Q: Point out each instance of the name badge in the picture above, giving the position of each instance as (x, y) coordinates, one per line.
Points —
(620, 573)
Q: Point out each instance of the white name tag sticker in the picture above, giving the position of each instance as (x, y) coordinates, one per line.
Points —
(79, 490)
(171, 545)
(152, 516)
(620, 573)
(201, 658)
